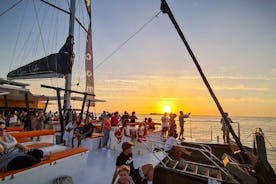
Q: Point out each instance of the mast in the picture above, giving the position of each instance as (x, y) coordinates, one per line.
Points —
(68, 77)
(166, 9)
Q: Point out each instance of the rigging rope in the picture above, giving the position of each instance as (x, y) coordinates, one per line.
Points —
(14, 5)
(18, 36)
(273, 148)
(40, 33)
(82, 63)
(132, 36)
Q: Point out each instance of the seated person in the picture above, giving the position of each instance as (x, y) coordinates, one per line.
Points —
(14, 155)
(82, 132)
(123, 172)
(144, 173)
(172, 149)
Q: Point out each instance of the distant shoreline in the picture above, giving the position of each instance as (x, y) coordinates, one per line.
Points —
(240, 116)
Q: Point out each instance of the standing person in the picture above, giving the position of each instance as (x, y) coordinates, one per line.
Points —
(164, 125)
(172, 125)
(67, 133)
(139, 174)
(225, 129)
(106, 130)
(115, 119)
(182, 117)
(133, 117)
(39, 122)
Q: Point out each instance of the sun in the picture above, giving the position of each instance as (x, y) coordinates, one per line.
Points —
(166, 108)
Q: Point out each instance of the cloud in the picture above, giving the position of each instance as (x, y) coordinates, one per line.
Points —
(250, 100)
(241, 88)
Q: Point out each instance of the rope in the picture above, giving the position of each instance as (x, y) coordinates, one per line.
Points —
(82, 63)
(273, 148)
(125, 42)
(41, 37)
(14, 5)
(247, 136)
(17, 37)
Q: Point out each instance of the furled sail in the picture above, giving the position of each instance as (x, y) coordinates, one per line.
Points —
(89, 57)
(54, 65)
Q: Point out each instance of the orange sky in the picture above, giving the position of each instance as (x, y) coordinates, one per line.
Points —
(235, 50)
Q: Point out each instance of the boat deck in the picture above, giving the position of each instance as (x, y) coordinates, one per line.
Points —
(101, 164)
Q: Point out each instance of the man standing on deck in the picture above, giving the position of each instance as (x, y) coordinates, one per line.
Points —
(139, 174)
(182, 117)
(225, 129)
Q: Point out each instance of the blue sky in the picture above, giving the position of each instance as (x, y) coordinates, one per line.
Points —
(234, 41)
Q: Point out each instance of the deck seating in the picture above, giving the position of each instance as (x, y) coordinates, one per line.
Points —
(45, 135)
(66, 162)
(15, 129)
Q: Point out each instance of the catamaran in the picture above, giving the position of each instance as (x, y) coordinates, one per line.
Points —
(209, 163)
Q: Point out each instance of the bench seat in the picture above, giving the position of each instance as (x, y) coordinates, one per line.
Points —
(46, 135)
(15, 129)
(66, 162)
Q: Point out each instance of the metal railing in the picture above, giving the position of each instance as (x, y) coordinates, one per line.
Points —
(204, 151)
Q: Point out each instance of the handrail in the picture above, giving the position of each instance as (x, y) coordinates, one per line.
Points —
(201, 151)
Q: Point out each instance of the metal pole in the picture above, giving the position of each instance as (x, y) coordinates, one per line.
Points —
(191, 134)
(211, 133)
(239, 130)
(28, 111)
(46, 105)
(87, 112)
(6, 103)
(165, 9)
(68, 77)
(60, 113)
(82, 107)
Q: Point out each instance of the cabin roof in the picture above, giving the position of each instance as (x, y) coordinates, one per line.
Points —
(9, 82)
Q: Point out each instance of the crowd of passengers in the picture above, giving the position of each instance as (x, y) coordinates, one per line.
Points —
(76, 126)
(80, 128)
(20, 118)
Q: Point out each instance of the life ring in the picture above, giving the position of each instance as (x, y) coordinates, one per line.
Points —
(142, 132)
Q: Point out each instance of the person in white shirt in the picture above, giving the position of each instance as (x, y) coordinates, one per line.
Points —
(164, 125)
(172, 149)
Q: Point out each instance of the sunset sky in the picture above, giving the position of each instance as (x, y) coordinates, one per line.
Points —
(234, 42)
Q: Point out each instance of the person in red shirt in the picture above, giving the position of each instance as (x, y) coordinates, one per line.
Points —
(106, 130)
(115, 119)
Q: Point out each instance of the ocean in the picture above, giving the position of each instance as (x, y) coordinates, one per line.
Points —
(208, 128)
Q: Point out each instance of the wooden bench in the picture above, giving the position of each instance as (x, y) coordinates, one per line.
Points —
(45, 135)
(15, 129)
(59, 163)
(39, 145)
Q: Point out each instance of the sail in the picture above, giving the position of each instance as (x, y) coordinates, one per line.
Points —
(53, 65)
(89, 58)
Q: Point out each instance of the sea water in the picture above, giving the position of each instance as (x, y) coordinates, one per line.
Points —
(208, 128)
